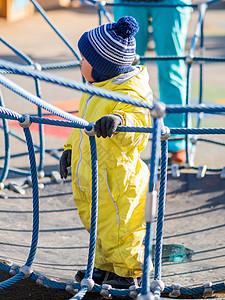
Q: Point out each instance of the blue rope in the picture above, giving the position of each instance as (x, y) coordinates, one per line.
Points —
(71, 84)
(22, 55)
(37, 101)
(153, 179)
(38, 89)
(81, 293)
(91, 90)
(5, 170)
(202, 10)
(47, 19)
(161, 209)
(11, 281)
(94, 208)
(35, 198)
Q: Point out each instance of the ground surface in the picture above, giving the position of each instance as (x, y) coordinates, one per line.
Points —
(194, 239)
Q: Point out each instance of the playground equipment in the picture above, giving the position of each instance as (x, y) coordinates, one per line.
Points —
(158, 132)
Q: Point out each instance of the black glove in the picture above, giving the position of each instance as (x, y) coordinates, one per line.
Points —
(64, 163)
(107, 125)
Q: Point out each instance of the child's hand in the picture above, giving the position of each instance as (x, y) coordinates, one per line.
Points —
(64, 163)
(107, 125)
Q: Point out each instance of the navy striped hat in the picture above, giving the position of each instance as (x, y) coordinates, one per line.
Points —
(110, 48)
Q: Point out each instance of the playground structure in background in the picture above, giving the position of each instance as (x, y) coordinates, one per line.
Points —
(158, 131)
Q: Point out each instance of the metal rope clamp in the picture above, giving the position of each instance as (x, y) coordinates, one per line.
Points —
(70, 288)
(88, 282)
(26, 270)
(26, 123)
(137, 60)
(157, 283)
(99, 3)
(165, 135)
(158, 110)
(207, 289)
(13, 269)
(2, 186)
(150, 206)
(105, 291)
(189, 59)
(133, 291)
(176, 291)
(40, 280)
(37, 67)
(175, 171)
(201, 172)
(91, 132)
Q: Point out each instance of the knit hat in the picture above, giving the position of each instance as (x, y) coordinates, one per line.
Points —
(110, 48)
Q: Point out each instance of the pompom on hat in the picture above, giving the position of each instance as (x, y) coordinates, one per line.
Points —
(110, 48)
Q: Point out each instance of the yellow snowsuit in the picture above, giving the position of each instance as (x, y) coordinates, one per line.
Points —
(123, 177)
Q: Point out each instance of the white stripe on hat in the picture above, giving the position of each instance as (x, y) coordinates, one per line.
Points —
(103, 43)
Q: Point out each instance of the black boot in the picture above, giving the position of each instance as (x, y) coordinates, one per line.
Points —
(119, 282)
(98, 275)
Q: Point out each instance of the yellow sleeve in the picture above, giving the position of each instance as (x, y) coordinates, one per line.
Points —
(68, 143)
(132, 116)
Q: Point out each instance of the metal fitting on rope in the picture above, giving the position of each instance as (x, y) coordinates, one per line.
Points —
(40, 279)
(26, 270)
(189, 59)
(26, 123)
(207, 289)
(148, 296)
(176, 290)
(188, 165)
(3, 196)
(201, 172)
(133, 291)
(103, 3)
(37, 67)
(41, 174)
(5, 260)
(150, 206)
(165, 135)
(105, 291)
(70, 288)
(222, 175)
(157, 283)
(2, 186)
(16, 188)
(89, 282)
(158, 110)
(175, 171)
(13, 269)
(29, 182)
(55, 176)
(91, 132)
(137, 60)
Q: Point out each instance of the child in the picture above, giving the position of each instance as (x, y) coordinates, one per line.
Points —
(107, 55)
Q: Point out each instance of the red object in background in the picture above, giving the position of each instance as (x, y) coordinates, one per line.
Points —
(56, 131)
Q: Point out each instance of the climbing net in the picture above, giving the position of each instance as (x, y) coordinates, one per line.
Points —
(160, 134)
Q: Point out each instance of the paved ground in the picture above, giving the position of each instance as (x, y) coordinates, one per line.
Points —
(194, 223)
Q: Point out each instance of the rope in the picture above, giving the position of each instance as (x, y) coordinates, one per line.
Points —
(152, 181)
(161, 210)
(35, 198)
(5, 170)
(47, 19)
